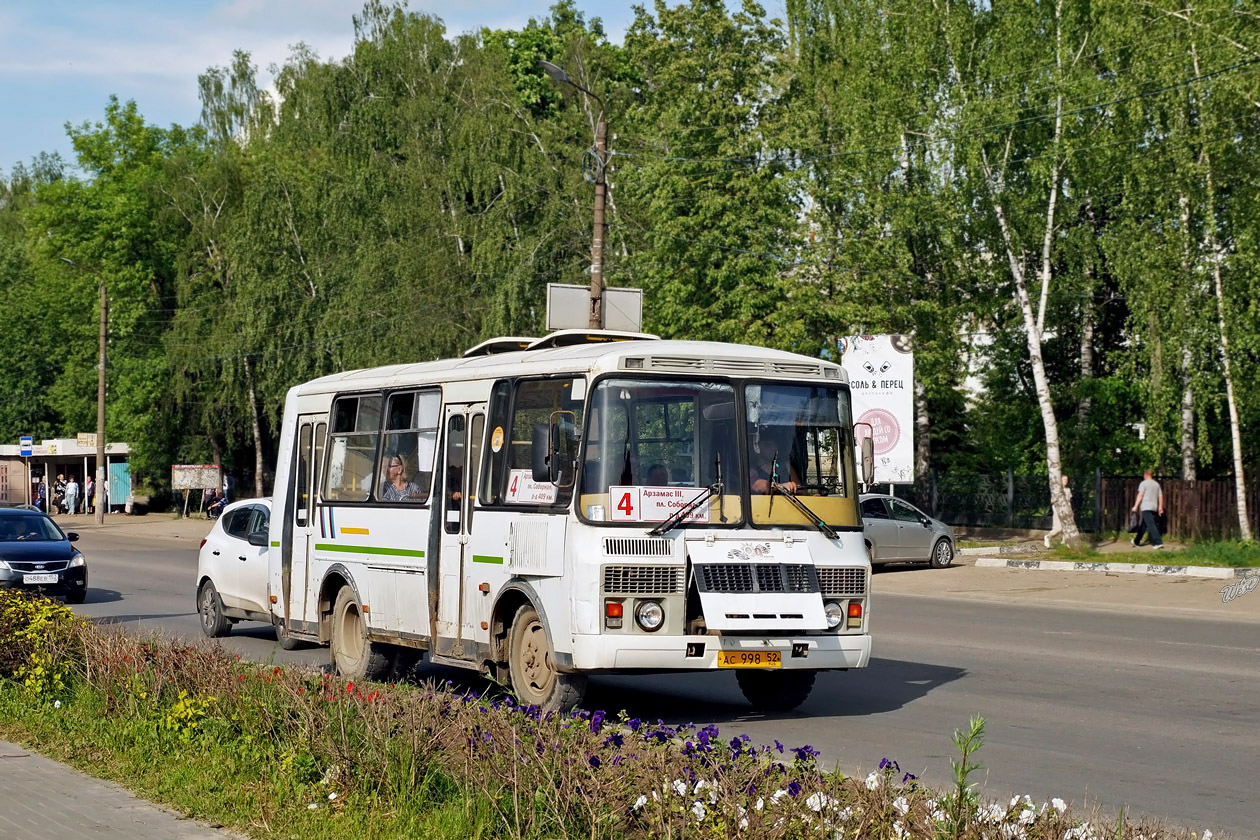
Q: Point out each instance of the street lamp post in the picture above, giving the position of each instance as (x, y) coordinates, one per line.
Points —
(557, 74)
(101, 477)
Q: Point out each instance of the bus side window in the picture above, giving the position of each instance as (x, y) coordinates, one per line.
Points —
(496, 454)
(352, 455)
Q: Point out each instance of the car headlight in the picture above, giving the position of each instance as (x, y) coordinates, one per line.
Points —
(4, 567)
(78, 559)
(649, 615)
(834, 613)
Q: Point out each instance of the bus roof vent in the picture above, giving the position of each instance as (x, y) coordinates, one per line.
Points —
(797, 369)
(568, 338)
(506, 344)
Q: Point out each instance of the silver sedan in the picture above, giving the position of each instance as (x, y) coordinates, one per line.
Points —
(898, 532)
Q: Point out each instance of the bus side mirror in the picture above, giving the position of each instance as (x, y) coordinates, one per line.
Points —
(541, 450)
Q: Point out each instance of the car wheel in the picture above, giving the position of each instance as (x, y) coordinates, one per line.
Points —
(286, 641)
(532, 671)
(354, 656)
(76, 596)
(210, 609)
(775, 691)
(942, 554)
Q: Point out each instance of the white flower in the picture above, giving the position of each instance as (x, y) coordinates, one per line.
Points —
(1084, 831)
(938, 815)
(902, 805)
(872, 781)
(995, 813)
(1058, 805)
(845, 815)
(898, 832)
(777, 795)
(332, 795)
(313, 806)
(1027, 816)
(700, 785)
(1011, 832)
(759, 804)
(698, 810)
(743, 823)
(56, 704)
(639, 803)
(679, 787)
(1207, 834)
(818, 801)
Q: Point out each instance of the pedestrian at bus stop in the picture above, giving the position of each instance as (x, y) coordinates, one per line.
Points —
(89, 495)
(1056, 524)
(72, 496)
(1149, 504)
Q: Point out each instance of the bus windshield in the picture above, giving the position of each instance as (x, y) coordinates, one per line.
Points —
(652, 447)
(799, 440)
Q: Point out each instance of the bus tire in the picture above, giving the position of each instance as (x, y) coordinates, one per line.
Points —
(210, 611)
(775, 691)
(532, 672)
(354, 656)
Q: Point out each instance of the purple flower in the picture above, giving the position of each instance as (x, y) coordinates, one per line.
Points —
(793, 788)
(634, 724)
(593, 761)
(778, 746)
(807, 752)
(909, 777)
(614, 740)
(597, 722)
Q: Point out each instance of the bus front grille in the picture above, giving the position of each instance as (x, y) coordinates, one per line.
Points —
(836, 581)
(643, 580)
(759, 577)
(637, 547)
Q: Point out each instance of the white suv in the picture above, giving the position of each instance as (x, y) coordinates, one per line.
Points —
(232, 570)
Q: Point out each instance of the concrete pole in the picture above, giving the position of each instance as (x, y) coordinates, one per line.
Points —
(100, 410)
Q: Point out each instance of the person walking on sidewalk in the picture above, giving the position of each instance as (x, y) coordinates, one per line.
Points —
(1149, 504)
(1056, 525)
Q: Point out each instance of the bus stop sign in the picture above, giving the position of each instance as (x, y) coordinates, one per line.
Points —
(24, 448)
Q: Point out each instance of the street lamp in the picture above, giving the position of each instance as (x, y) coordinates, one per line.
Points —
(558, 75)
(100, 395)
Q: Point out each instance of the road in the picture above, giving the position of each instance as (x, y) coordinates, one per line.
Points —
(1105, 690)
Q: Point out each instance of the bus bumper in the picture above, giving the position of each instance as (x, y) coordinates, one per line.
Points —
(700, 653)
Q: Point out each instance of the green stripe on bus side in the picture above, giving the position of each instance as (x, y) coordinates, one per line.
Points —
(275, 543)
(369, 549)
(487, 558)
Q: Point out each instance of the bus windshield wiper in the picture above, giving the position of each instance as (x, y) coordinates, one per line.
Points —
(813, 518)
(683, 512)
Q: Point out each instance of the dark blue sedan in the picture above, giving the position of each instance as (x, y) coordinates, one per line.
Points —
(37, 555)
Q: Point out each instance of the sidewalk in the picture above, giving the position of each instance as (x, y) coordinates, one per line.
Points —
(44, 799)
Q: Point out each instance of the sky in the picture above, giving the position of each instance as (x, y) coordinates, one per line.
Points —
(60, 60)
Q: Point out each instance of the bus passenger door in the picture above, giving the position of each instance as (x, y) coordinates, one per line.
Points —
(309, 455)
(464, 425)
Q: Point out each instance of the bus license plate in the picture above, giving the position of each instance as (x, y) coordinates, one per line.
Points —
(39, 578)
(749, 659)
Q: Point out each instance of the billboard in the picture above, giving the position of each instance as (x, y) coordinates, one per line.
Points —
(881, 376)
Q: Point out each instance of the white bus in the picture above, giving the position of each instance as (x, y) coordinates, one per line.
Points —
(589, 502)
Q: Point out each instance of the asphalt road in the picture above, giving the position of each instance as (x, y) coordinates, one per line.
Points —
(1100, 689)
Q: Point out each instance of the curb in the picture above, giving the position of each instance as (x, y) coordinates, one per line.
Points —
(1134, 568)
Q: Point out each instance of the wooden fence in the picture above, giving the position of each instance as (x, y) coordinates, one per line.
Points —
(1204, 510)
(1194, 509)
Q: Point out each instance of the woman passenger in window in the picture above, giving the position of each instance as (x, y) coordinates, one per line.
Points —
(396, 487)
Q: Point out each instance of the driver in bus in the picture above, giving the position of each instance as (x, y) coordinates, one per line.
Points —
(658, 476)
(773, 443)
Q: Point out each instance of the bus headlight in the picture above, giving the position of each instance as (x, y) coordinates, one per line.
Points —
(835, 614)
(649, 615)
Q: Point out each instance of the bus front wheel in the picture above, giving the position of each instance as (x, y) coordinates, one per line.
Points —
(531, 670)
(354, 656)
(775, 691)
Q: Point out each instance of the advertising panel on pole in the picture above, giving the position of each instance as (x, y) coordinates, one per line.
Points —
(881, 376)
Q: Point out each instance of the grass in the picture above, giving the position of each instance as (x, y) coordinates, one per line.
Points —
(1226, 554)
(279, 752)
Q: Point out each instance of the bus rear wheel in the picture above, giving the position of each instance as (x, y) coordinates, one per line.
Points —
(354, 656)
(775, 691)
(532, 671)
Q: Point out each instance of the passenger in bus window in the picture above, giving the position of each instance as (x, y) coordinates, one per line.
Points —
(772, 444)
(396, 487)
(658, 476)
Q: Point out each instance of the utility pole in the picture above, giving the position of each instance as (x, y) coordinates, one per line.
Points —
(595, 174)
(101, 476)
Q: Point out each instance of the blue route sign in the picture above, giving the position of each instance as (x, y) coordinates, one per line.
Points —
(24, 445)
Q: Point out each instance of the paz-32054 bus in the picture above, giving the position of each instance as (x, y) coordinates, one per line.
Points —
(584, 503)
